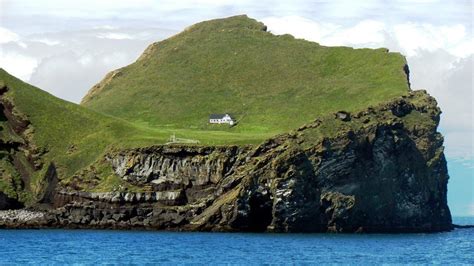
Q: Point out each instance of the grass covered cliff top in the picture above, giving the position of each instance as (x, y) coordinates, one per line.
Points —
(270, 84)
(55, 131)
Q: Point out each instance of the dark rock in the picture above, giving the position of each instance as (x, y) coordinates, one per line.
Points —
(463, 226)
(401, 109)
(7, 203)
(384, 176)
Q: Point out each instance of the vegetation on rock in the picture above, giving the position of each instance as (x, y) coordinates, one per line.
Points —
(327, 139)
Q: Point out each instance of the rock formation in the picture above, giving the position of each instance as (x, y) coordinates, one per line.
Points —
(379, 170)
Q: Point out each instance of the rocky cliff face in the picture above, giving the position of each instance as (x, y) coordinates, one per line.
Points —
(380, 170)
(19, 156)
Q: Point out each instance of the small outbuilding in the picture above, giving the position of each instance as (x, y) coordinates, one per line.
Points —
(221, 119)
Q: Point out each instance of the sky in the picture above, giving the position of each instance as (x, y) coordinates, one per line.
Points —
(65, 47)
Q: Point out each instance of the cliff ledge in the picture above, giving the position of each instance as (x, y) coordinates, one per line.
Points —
(378, 170)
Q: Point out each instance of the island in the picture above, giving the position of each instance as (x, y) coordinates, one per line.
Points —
(325, 139)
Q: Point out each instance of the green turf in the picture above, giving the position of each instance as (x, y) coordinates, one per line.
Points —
(271, 84)
(74, 136)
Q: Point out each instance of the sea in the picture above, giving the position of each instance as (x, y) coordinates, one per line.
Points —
(96, 247)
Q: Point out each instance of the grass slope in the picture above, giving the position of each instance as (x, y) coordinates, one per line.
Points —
(271, 84)
(75, 137)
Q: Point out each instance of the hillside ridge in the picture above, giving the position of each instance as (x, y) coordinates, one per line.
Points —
(327, 139)
(271, 83)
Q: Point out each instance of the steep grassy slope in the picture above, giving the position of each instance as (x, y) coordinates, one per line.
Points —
(37, 128)
(271, 84)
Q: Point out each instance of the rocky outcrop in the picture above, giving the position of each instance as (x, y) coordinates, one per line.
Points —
(379, 170)
(17, 155)
(99, 87)
(178, 166)
(22, 219)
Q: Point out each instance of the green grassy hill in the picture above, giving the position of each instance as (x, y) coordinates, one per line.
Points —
(72, 137)
(67, 134)
(271, 84)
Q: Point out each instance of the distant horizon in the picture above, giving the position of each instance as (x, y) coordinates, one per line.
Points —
(65, 48)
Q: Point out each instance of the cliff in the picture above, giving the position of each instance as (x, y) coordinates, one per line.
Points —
(378, 170)
(328, 139)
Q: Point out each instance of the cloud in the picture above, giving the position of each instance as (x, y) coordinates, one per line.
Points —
(105, 27)
(408, 38)
(115, 36)
(18, 65)
(7, 36)
(454, 92)
(47, 41)
(366, 33)
(299, 27)
(68, 75)
(449, 79)
(70, 63)
(416, 36)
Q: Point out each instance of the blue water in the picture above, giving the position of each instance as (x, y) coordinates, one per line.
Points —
(139, 247)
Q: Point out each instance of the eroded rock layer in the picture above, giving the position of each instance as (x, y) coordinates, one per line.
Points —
(380, 170)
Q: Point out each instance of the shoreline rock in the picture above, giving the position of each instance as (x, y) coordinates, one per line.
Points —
(463, 226)
(382, 171)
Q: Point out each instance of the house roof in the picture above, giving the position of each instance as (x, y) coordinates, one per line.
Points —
(218, 116)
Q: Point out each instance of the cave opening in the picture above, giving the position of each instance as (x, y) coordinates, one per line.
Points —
(3, 118)
(260, 215)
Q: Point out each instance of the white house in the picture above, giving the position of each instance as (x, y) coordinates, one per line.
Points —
(221, 119)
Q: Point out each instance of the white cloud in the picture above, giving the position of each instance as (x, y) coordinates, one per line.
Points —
(93, 9)
(105, 27)
(67, 64)
(410, 38)
(18, 65)
(69, 70)
(299, 27)
(85, 60)
(364, 33)
(66, 74)
(449, 79)
(454, 92)
(463, 48)
(47, 41)
(115, 36)
(367, 32)
(416, 36)
(7, 36)
(115, 59)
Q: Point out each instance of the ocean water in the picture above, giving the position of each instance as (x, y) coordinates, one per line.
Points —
(142, 247)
